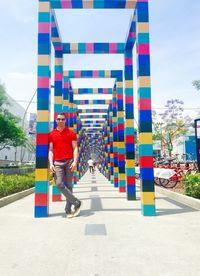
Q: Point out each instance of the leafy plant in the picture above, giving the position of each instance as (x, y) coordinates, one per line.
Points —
(192, 185)
(11, 134)
(10, 184)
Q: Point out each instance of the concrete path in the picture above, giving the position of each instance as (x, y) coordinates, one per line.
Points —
(109, 238)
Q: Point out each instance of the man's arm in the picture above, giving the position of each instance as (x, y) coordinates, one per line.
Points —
(51, 165)
(75, 153)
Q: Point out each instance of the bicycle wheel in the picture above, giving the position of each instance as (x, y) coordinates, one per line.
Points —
(168, 183)
(163, 182)
(156, 181)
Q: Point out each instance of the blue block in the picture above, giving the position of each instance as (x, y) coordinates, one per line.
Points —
(42, 127)
(41, 187)
(131, 189)
(142, 8)
(148, 210)
(143, 38)
(146, 174)
(44, 49)
(55, 190)
(145, 150)
(42, 150)
(43, 71)
(44, 17)
(144, 93)
(41, 211)
(43, 104)
(144, 65)
(145, 116)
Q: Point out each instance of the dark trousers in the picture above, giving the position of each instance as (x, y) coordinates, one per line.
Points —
(62, 168)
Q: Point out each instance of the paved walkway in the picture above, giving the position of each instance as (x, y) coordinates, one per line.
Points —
(109, 238)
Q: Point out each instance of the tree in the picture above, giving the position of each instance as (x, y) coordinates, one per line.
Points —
(11, 134)
(196, 84)
(171, 124)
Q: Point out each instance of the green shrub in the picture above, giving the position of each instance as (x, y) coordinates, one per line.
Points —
(192, 185)
(10, 184)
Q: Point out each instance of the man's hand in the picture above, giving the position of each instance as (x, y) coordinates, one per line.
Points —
(73, 166)
(52, 167)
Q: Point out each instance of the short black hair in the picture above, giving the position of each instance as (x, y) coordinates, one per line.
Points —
(61, 113)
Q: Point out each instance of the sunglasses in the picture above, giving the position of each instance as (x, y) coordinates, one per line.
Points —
(60, 119)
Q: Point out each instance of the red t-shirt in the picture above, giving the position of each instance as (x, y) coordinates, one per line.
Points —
(62, 143)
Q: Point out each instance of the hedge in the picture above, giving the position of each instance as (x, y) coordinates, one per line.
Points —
(10, 184)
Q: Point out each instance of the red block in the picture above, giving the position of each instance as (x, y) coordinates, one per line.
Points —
(41, 200)
(42, 139)
(130, 180)
(146, 161)
(121, 126)
(145, 104)
(56, 198)
(122, 189)
(129, 139)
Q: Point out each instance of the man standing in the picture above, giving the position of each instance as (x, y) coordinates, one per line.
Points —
(63, 154)
(91, 165)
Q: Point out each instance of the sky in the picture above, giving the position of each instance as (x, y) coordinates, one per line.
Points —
(174, 44)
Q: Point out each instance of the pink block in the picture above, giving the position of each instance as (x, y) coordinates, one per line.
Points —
(132, 34)
(145, 104)
(128, 61)
(58, 76)
(58, 48)
(143, 49)
(66, 5)
(53, 24)
(95, 73)
(77, 74)
(112, 48)
(43, 82)
(66, 84)
(129, 100)
(44, 28)
(89, 48)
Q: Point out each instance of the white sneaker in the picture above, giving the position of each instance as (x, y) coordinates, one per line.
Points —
(77, 209)
(70, 215)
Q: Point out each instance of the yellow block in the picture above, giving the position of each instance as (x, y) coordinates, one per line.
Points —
(74, 47)
(58, 61)
(44, 6)
(148, 198)
(121, 145)
(143, 27)
(41, 174)
(145, 138)
(65, 102)
(122, 176)
(144, 82)
(107, 73)
(128, 84)
(120, 114)
(55, 39)
(87, 4)
(130, 163)
(129, 122)
(115, 169)
(43, 116)
(58, 100)
(120, 84)
(44, 60)
(66, 73)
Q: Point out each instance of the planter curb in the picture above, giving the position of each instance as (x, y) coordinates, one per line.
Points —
(187, 200)
(11, 198)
